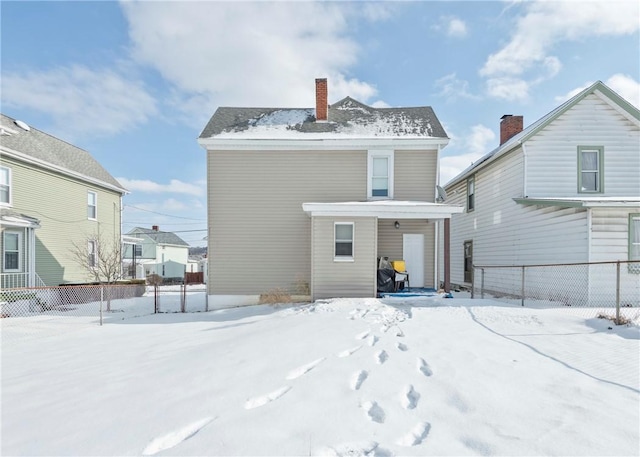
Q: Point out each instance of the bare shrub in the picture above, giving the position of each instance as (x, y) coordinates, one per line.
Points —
(621, 321)
(275, 297)
(154, 280)
(302, 286)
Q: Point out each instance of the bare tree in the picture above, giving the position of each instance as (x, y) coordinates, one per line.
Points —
(101, 258)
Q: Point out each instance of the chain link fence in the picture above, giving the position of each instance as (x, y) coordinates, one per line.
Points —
(43, 311)
(610, 289)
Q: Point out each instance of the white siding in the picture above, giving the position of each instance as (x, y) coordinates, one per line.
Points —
(552, 164)
(506, 233)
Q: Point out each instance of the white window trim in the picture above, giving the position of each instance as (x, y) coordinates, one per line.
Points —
(344, 258)
(93, 243)
(9, 184)
(389, 155)
(95, 205)
(4, 250)
(471, 180)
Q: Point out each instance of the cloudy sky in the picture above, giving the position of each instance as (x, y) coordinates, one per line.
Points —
(135, 82)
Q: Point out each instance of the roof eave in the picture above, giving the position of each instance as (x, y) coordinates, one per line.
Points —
(416, 143)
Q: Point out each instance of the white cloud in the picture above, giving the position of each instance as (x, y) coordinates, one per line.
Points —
(81, 100)
(457, 28)
(624, 85)
(250, 53)
(174, 186)
(475, 144)
(525, 59)
(451, 26)
(453, 88)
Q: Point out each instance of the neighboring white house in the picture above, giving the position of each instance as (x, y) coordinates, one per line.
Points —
(565, 189)
(161, 253)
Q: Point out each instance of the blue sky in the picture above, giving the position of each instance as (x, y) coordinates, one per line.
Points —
(135, 82)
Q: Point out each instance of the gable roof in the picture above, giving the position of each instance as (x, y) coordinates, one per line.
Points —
(598, 88)
(347, 118)
(40, 148)
(158, 236)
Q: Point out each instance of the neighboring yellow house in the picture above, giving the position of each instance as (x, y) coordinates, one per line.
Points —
(52, 195)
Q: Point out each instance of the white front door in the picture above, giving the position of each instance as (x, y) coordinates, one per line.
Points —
(413, 254)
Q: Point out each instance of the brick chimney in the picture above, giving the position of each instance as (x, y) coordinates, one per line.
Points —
(509, 126)
(155, 228)
(322, 105)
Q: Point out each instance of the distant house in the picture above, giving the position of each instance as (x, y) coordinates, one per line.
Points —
(307, 200)
(566, 189)
(158, 252)
(53, 196)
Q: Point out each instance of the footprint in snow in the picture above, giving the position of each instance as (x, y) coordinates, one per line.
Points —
(402, 347)
(381, 357)
(358, 378)
(374, 412)
(304, 369)
(358, 449)
(363, 335)
(262, 400)
(372, 340)
(424, 367)
(409, 398)
(348, 352)
(416, 435)
(176, 437)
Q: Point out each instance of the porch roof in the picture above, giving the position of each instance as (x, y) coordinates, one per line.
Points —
(384, 209)
(13, 219)
(581, 202)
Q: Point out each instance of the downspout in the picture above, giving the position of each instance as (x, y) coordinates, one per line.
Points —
(436, 285)
(524, 171)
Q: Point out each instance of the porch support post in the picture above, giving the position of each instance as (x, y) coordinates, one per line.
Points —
(447, 255)
(31, 243)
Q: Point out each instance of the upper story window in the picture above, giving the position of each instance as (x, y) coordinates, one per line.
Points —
(5, 186)
(137, 250)
(12, 255)
(343, 241)
(634, 242)
(471, 193)
(380, 174)
(92, 205)
(590, 169)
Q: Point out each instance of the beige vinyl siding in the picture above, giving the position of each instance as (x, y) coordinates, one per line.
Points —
(390, 242)
(60, 203)
(333, 278)
(552, 153)
(259, 236)
(415, 175)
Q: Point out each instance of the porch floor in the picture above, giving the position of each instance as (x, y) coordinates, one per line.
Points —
(411, 292)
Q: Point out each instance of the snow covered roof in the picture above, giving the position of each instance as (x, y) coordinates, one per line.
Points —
(347, 118)
(9, 218)
(158, 236)
(48, 151)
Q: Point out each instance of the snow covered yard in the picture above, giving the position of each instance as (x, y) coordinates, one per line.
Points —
(342, 377)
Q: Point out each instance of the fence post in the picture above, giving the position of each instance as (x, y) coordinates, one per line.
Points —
(482, 284)
(522, 291)
(183, 297)
(473, 282)
(101, 299)
(618, 292)
(155, 299)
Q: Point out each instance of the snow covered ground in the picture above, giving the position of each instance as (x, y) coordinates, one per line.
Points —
(342, 377)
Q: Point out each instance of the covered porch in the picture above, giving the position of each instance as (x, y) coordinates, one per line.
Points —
(18, 267)
(349, 238)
